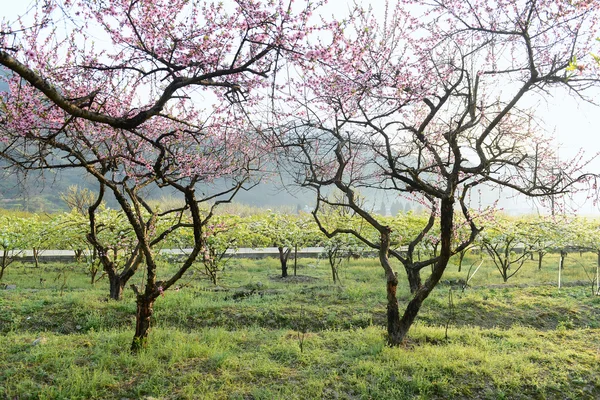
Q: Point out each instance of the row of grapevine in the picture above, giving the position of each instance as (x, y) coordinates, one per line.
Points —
(508, 240)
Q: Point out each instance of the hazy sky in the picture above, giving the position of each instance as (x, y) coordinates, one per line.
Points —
(574, 123)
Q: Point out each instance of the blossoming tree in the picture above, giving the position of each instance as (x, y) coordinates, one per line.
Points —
(431, 106)
(142, 94)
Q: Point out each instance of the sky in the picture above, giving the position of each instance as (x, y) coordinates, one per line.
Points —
(574, 123)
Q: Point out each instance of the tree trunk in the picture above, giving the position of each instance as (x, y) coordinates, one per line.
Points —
(116, 286)
(332, 256)
(93, 276)
(145, 309)
(119, 280)
(4, 263)
(446, 226)
(540, 257)
(295, 259)
(93, 273)
(505, 266)
(36, 257)
(393, 312)
(414, 279)
(78, 254)
(395, 335)
(283, 258)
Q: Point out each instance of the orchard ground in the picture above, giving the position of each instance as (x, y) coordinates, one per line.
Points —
(257, 336)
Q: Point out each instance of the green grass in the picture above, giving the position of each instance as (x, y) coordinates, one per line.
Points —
(241, 340)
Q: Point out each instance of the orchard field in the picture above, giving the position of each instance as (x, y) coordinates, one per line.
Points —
(256, 335)
(435, 105)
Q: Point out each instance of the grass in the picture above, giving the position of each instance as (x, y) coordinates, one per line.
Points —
(241, 340)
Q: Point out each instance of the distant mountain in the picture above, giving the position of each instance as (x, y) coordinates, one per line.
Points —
(40, 192)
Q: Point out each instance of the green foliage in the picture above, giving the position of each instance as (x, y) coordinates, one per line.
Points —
(406, 226)
(584, 233)
(13, 239)
(113, 232)
(13, 233)
(70, 231)
(221, 235)
(505, 240)
(78, 199)
(283, 230)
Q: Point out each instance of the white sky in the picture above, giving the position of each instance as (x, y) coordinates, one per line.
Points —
(576, 124)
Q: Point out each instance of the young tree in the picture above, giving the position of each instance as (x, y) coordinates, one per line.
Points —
(286, 232)
(114, 245)
(545, 233)
(220, 236)
(128, 114)
(78, 199)
(223, 233)
(12, 240)
(341, 247)
(411, 103)
(506, 242)
(38, 236)
(584, 235)
(71, 230)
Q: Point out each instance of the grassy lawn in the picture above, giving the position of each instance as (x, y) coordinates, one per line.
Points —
(256, 336)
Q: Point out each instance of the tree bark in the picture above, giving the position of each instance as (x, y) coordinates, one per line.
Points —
(336, 276)
(116, 286)
(119, 280)
(414, 279)
(295, 259)
(213, 273)
(36, 257)
(413, 307)
(4, 263)
(563, 254)
(78, 254)
(540, 257)
(395, 335)
(145, 309)
(333, 273)
(283, 258)
(93, 273)
(393, 312)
